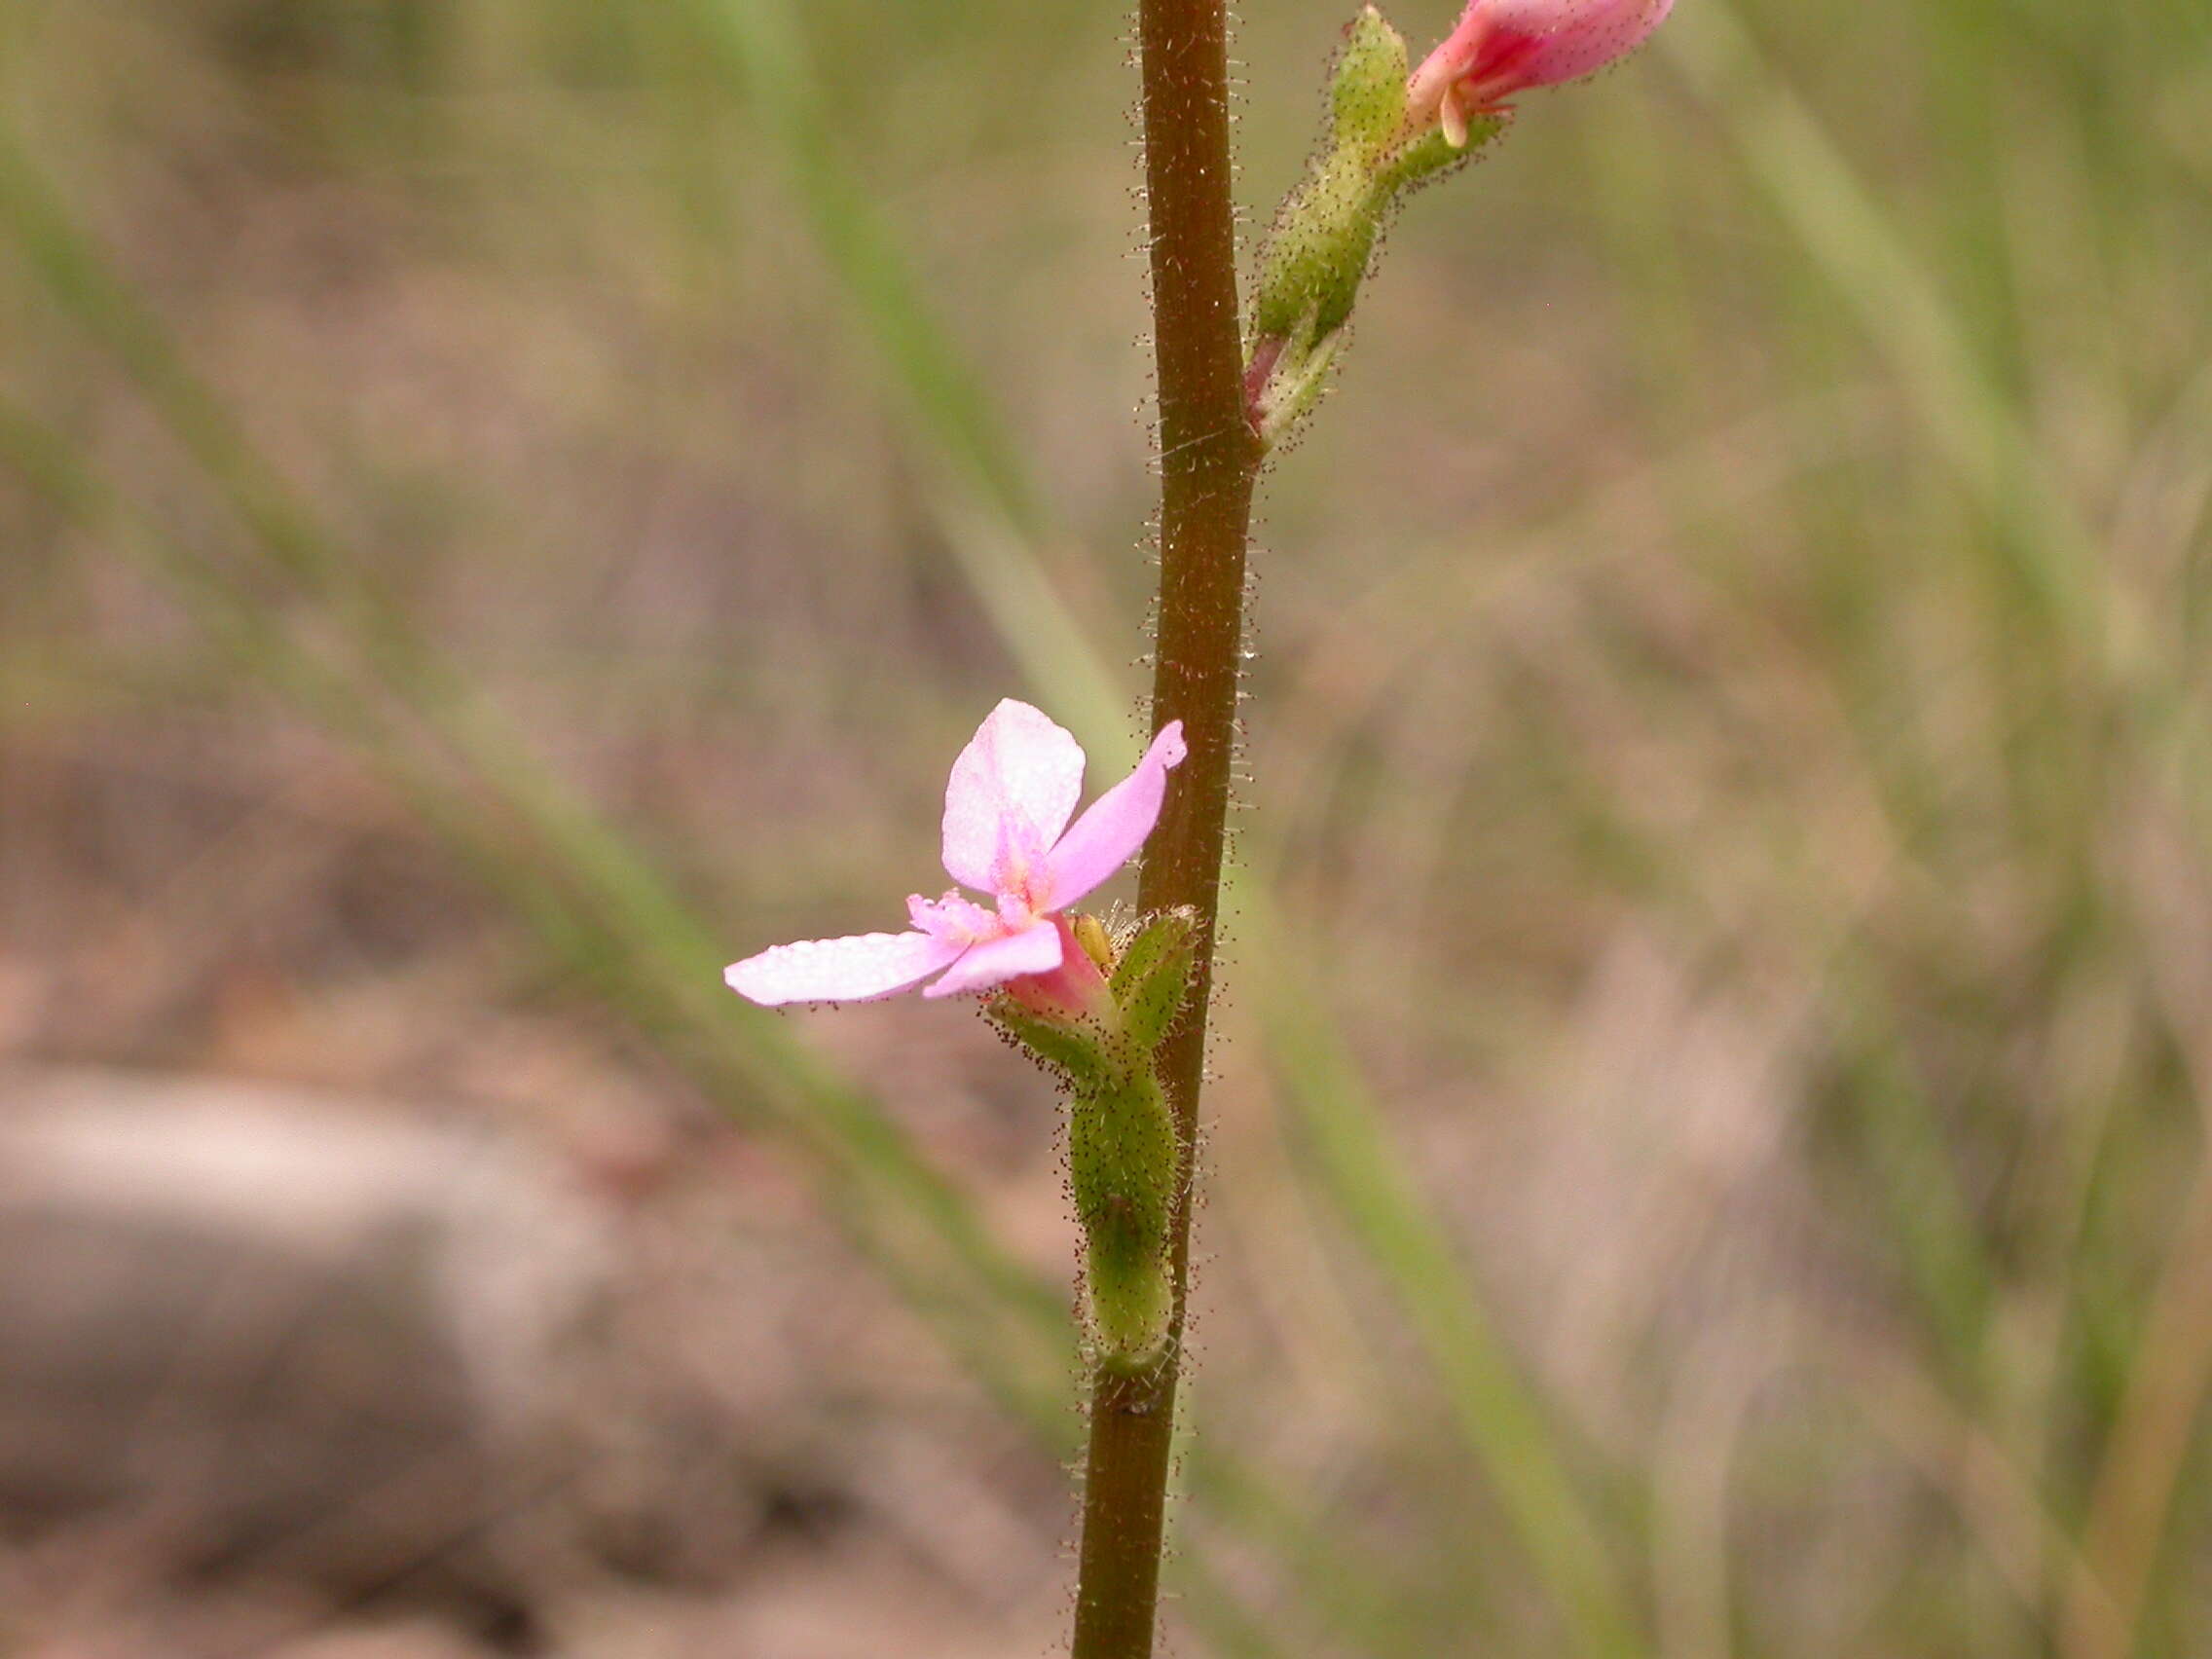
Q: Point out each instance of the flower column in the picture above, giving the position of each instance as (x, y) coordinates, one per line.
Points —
(1209, 459)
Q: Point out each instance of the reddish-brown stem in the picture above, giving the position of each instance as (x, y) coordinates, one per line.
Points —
(1209, 459)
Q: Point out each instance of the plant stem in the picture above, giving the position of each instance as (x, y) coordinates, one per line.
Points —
(1209, 462)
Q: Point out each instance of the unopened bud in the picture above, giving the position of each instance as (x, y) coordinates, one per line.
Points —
(1367, 90)
(1323, 239)
(1318, 249)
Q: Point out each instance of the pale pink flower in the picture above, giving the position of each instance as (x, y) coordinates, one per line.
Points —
(1505, 47)
(1011, 795)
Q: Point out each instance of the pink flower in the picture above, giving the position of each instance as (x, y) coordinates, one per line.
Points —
(1505, 47)
(1009, 800)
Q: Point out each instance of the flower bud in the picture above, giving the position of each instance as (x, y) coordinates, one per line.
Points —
(1323, 239)
(1367, 90)
(1386, 136)
(1319, 245)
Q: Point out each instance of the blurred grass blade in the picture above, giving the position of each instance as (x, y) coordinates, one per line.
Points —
(1496, 1411)
(761, 42)
(1930, 1217)
(642, 918)
(1036, 626)
(872, 1178)
(991, 519)
(1874, 270)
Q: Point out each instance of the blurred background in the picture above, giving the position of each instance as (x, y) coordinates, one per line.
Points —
(507, 506)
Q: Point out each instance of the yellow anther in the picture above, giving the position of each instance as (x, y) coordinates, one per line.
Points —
(1091, 934)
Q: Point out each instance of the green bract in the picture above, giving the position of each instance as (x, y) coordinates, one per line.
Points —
(1124, 1156)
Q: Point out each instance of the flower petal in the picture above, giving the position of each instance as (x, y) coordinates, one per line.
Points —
(1014, 786)
(858, 968)
(1578, 37)
(960, 920)
(1505, 47)
(1035, 949)
(1108, 835)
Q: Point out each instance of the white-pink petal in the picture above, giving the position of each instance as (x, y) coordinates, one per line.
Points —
(953, 917)
(1035, 949)
(1108, 833)
(858, 968)
(1014, 786)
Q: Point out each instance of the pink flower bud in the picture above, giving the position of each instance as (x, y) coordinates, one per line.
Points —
(1505, 47)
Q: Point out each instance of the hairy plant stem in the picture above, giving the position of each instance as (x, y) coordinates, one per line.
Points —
(1209, 461)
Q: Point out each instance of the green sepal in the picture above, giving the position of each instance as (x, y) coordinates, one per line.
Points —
(1131, 1296)
(1318, 250)
(1124, 1152)
(1432, 154)
(1125, 1164)
(1152, 976)
(1083, 1053)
